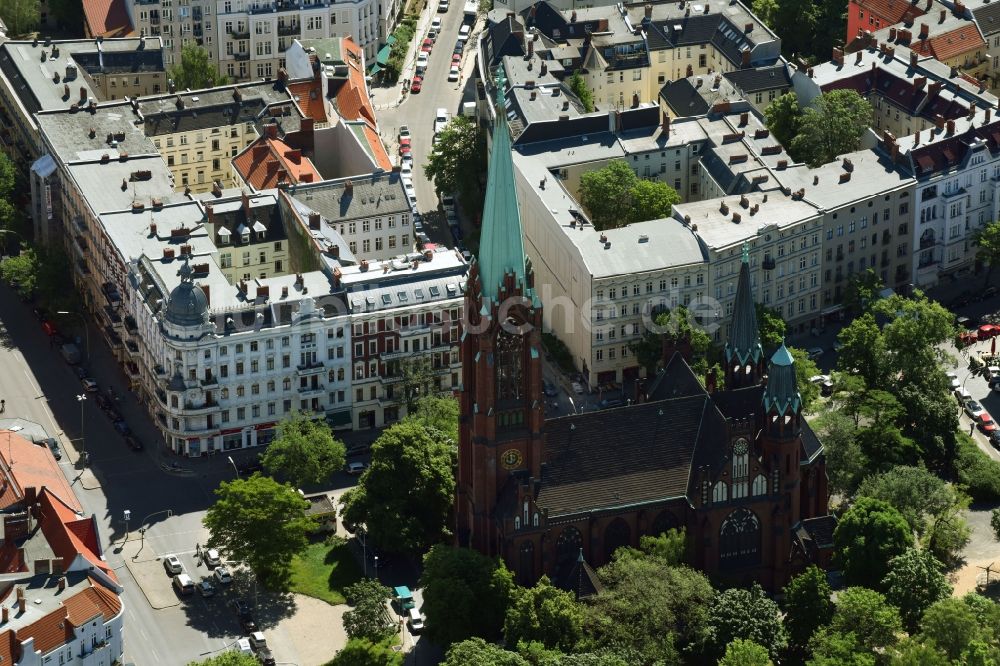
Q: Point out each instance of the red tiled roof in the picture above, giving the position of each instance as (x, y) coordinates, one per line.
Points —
(24, 464)
(67, 537)
(353, 102)
(378, 149)
(950, 44)
(106, 18)
(261, 162)
(891, 11)
(309, 96)
(56, 628)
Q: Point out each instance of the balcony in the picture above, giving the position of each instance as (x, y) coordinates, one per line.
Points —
(314, 368)
(198, 409)
(928, 242)
(209, 381)
(394, 379)
(312, 390)
(409, 331)
(289, 30)
(768, 264)
(274, 6)
(390, 356)
(241, 56)
(237, 33)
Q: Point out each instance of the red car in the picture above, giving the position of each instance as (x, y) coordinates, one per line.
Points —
(427, 45)
(404, 145)
(456, 59)
(415, 84)
(986, 423)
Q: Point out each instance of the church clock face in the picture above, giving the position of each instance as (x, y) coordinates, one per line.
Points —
(741, 447)
(511, 458)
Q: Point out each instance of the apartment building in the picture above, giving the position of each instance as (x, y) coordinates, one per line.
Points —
(987, 17)
(44, 75)
(199, 132)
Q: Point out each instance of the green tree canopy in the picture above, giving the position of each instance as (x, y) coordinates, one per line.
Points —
(304, 452)
(614, 196)
(782, 116)
(545, 614)
(457, 164)
(465, 594)
(846, 463)
(405, 495)
(228, 658)
(261, 522)
(677, 326)
(931, 506)
(771, 327)
(363, 652)
(807, 606)
(987, 239)
(669, 548)
(369, 616)
(832, 648)
(952, 625)
(914, 582)
(832, 125)
(20, 16)
(867, 537)
(648, 608)
(579, 87)
(745, 653)
(912, 651)
(195, 71)
(874, 621)
(438, 413)
(747, 614)
(862, 290)
(477, 652)
(805, 369)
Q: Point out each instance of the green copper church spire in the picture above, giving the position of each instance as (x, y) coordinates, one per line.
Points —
(744, 337)
(501, 248)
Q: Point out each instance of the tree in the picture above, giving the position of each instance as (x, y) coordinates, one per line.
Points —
(914, 583)
(417, 380)
(67, 12)
(912, 651)
(229, 658)
(20, 16)
(675, 326)
(832, 125)
(931, 506)
(363, 652)
(770, 326)
(862, 290)
(846, 463)
(405, 495)
(747, 614)
(869, 616)
(783, 115)
(832, 648)
(863, 351)
(579, 87)
(869, 535)
(439, 414)
(648, 608)
(457, 164)
(614, 196)
(477, 652)
(669, 548)
(195, 71)
(805, 369)
(952, 626)
(21, 271)
(545, 614)
(369, 618)
(465, 594)
(304, 452)
(807, 606)
(987, 239)
(261, 522)
(745, 653)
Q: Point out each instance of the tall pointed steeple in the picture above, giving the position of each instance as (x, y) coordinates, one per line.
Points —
(744, 354)
(501, 248)
(781, 395)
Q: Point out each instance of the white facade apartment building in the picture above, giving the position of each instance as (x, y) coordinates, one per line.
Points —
(247, 39)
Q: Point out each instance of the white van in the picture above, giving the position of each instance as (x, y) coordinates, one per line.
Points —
(415, 620)
(183, 584)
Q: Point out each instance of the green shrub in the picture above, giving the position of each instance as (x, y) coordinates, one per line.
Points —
(976, 471)
(560, 352)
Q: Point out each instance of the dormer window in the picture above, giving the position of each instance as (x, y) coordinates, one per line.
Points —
(246, 237)
(224, 236)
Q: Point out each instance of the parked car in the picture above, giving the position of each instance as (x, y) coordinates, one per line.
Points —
(436, 23)
(122, 427)
(404, 146)
(172, 565)
(222, 575)
(356, 467)
(415, 621)
(211, 557)
(102, 402)
(432, 34)
(404, 132)
(443, 7)
(133, 443)
(422, 61)
(454, 74)
(995, 439)
(257, 640)
(986, 423)
(416, 84)
(242, 607)
(456, 59)
(962, 395)
(549, 390)
(183, 584)
(814, 353)
(205, 588)
(427, 45)
(973, 409)
(440, 119)
(89, 385)
(577, 388)
(53, 445)
(403, 598)
(464, 31)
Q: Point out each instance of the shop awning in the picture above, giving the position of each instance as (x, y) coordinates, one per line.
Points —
(374, 69)
(340, 418)
(383, 54)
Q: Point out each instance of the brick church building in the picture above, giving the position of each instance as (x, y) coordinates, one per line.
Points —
(738, 468)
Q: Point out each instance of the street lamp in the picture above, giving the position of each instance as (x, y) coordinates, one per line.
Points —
(376, 567)
(235, 468)
(127, 515)
(142, 529)
(86, 330)
(81, 398)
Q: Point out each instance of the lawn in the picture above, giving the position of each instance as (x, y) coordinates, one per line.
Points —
(323, 571)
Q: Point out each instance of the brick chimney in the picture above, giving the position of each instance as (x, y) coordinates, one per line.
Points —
(314, 221)
(913, 59)
(665, 123)
(647, 10)
(746, 57)
(349, 188)
(271, 130)
(924, 30)
(951, 127)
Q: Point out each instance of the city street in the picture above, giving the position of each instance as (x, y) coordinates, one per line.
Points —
(39, 386)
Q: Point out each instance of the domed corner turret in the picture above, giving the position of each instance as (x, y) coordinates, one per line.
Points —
(187, 305)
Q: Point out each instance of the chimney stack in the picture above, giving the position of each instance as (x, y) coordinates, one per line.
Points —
(951, 127)
(314, 221)
(913, 59)
(349, 188)
(924, 30)
(648, 10)
(838, 56)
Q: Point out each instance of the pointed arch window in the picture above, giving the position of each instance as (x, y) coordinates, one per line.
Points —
(739, 539)
(759, 485)
(720, 493)
(509, 366)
